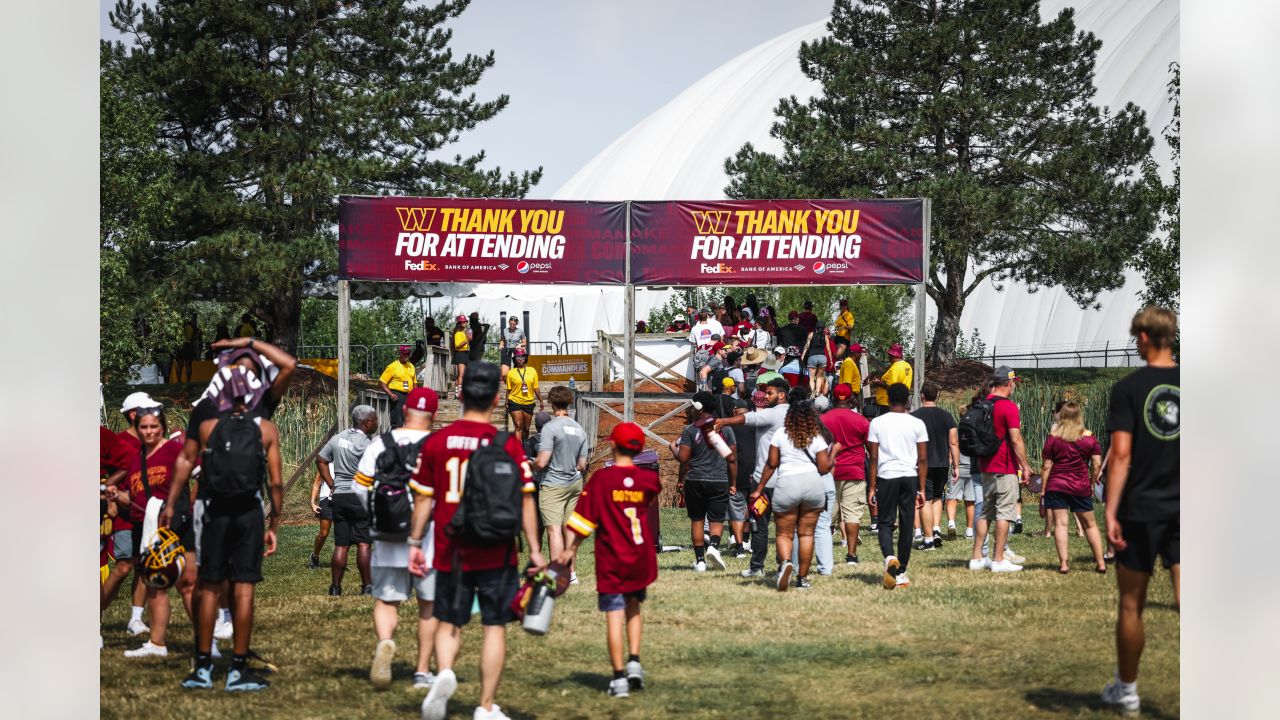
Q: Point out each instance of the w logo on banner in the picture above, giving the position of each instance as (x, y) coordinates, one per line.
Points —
(416, 219)
(711, 221)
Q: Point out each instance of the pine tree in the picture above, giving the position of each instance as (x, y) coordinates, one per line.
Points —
(1160, 260)
(273, 109)
(980, 107)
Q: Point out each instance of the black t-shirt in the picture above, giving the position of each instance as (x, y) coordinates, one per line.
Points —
(938, 423)
(746, 461)
(479, 334)
(818, 345)
(792, 335)
(1146, 404)
(435, 337)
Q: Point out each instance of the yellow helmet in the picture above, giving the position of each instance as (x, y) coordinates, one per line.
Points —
(163, 561)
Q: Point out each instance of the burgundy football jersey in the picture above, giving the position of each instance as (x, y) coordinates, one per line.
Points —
(614, 504)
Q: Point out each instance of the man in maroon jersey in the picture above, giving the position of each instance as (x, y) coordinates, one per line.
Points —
(615, 502)
(486, 572)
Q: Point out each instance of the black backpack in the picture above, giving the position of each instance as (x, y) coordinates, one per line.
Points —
(492, 501)
(977, 429)
(235, 463)
(390, 503)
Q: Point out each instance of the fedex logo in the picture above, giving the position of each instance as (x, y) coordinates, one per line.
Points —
(717, 269)
(422, 265)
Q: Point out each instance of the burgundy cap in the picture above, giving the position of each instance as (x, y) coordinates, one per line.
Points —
(895, 350)
(423, 399)
(843, 391)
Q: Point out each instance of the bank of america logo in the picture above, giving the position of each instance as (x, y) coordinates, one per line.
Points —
(799, 266)
(503, 266)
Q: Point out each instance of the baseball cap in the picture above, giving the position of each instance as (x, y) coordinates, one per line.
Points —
(680, 318)
(856, 347)
(541, 419)
(895, 350)
(780, 350)
(727, 382)
(138, 400)
(519, 352)
(404, 349)
(1004, 373)
(843, 391)
(481, 379)
(462, 318)
(423, 399)
(717, 347)
(628, 436)
(822, 403)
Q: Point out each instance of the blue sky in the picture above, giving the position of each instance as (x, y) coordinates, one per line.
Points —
(580, 73)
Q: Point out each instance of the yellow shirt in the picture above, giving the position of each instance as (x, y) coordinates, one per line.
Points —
(460, 341)
(898, 372)
(399, 376)
(521, 383)
(844, 324)
(849, 374)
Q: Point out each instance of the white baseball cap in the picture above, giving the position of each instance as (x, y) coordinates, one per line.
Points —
(137, 401)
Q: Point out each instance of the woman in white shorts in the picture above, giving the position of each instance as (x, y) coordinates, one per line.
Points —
(800, 453)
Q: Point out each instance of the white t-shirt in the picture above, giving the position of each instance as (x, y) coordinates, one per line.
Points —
(897, 434)
(386, 553)
(793, 460)
(701, 333)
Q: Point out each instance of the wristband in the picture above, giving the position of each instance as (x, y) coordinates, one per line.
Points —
(414, 542)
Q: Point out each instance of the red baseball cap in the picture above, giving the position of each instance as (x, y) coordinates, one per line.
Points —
(423, 399)
(628, 435)
(856, 348)
(843, 391)
(717, 347)
(462, 318)
(405, 349)
(895, 350)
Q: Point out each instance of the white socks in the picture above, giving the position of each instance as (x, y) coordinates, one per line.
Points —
(224, 615)
(137, 613)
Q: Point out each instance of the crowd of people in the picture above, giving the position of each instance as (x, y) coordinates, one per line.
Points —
(440, 512)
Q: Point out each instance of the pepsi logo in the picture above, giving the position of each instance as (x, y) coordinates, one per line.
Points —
(522, 267)
(819, 267)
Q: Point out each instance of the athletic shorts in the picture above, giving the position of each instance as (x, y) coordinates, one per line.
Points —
(816, 361)
(609, 602)
(326, 508)
(393, 584)
(935, 483)
(350, 520)
(122, 545)
(515, 407)
(505, 358)
(851, 501)
(956, 488)
(738, 507)
(1000, 495)
(709, 500)
(455, 592)
(556, 502)
(802, 491)
(1146, 540)
(231, 541)
(1062, 501)
(461, 357)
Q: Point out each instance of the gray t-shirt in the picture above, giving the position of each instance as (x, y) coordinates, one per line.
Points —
(766, 422)
(567, 442)
(343, 452)
(512, 337)
(705, 464)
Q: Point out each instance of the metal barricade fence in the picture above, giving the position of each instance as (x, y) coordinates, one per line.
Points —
(1107, 356)
(577, 347)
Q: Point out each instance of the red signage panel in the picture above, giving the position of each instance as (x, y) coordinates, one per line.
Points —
(777, 242)
(420, 239)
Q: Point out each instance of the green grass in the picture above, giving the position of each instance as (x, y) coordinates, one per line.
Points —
(955, 644)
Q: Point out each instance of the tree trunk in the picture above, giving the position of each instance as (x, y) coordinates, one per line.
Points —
(285, 312)
(950, 304)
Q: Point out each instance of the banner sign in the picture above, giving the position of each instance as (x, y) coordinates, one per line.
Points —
(481, 240)
(777, 242)
(562, 367)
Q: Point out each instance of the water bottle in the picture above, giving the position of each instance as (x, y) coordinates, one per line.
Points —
(573, 384)
(537, 614)
(706, 425)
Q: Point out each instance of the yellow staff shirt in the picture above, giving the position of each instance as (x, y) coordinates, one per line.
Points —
(460, 341)
(521, 384)
(399, 376)
(844, 324)
(898, 372)
(849, 374)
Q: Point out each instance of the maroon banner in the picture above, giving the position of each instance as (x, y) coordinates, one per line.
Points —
(777, 242)
(481, 240)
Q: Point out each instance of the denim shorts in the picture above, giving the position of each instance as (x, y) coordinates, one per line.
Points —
(608, 602)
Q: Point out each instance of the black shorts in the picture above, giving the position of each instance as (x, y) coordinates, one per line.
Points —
(326, 508)
(515, 407)
(1148, 539)
(456, 592)
(461, 357)
(708, 500)
(935, 484)
(1062, 501)
(181, 525)
(505, 358)
(231, 541)
(350, 520)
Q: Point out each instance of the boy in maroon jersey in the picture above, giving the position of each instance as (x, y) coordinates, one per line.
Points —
(486, 572)
(616, 502)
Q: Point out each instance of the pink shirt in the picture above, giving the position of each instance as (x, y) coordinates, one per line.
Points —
(850, 430)
(1006, 418)
(1070, 471)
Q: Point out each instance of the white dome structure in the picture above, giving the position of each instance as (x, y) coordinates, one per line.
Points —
(678, 153)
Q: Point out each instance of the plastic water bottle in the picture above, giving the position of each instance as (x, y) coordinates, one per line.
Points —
(573, 384)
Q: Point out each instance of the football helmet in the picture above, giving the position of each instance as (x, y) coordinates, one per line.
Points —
(163, 560)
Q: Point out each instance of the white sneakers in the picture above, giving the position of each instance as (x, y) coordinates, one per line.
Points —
(436, 705)
(573, 578)
(699, 566)
(714, 561)
(1004, 566)
(223, 630)
(983, 563)
(619, 688)
(902, 580)
(784, 576)
(1124, 699)
(1012, 556)
(494, 714)
(968, 533)
(148, 650)
(137, 627)
(380, 671)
